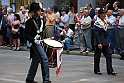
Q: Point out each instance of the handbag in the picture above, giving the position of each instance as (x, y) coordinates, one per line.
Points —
(14, 31)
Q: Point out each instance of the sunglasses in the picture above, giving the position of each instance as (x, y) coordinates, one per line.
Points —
(81, 12)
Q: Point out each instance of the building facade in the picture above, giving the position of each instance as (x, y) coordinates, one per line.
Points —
(62, 3)
(79, 3)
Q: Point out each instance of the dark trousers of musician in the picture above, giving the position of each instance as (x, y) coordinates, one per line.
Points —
(106, 52)
(39, 56)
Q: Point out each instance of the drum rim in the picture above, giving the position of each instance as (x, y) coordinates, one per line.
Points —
(55, 41)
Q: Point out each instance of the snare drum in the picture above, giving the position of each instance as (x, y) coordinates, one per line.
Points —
(50, 47)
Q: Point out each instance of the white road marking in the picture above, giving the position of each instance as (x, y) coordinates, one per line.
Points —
(11, 80)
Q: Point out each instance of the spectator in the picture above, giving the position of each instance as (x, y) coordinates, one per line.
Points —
(96, 14)
(1, 31)
(26, 9)
(86, 32)
(5, 39)
(91, 10)
(64, 19)
(110, 20)
(57, 14)
(78, 28)
(121, 29)
(57, 22)
(91, 14)
(16, 36)
(20, 9)
(9, 18)
(50, 22)
(67, 33)
(71, 15)
(122, 55)
(23, 18)
(116, 10)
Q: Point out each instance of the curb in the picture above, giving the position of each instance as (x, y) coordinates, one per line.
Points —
(72, 52)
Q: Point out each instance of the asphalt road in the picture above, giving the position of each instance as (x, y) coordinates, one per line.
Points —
(14, 66)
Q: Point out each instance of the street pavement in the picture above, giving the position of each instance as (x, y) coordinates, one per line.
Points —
(14, 66)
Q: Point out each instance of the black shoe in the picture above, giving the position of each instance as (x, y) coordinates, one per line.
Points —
(122, 58)
(112, 73)
(46, 81)
(30, 81)
(99, 73)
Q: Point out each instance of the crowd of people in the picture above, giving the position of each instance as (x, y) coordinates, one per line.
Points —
(55, 22)
(100, 30)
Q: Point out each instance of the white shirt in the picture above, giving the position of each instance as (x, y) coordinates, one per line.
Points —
(69, 33)
(86, 20)
(110, 19)
(23, 19)
(71, 18)
(121, 21)
(57, 16)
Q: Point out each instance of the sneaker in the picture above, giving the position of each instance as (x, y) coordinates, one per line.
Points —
(87, 52)
(81, 50)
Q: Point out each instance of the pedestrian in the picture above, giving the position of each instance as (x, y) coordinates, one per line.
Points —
(10, 18)
(78, 28)
(91, 14)
(116, 10)
(16, 36)
(86, 32)
(50, 22)
(121, 30)
(102, 44)
(110, 20)
(37, 53)
(64, 19)
(67, 34)
(4, 25)
(71, 15)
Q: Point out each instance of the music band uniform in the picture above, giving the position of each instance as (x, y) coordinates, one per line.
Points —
(37, 53)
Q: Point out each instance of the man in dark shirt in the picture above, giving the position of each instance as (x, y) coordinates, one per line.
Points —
(116, 14)
(116, 8)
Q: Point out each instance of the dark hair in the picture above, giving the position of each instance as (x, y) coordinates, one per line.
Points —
(51, 8)
(71, 8)
(117, 3)
(89, 4)
(5, 10)
(0, 8)
(18, 17)
(55, 8)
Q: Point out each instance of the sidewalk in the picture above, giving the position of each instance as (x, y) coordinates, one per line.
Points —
(74, 51)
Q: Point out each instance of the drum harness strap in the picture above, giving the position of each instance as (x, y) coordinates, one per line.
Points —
(38, 36)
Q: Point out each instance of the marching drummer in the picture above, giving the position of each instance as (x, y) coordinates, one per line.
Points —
(37, 54)
(66, 36)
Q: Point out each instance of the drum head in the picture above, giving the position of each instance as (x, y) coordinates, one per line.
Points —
(53, 43)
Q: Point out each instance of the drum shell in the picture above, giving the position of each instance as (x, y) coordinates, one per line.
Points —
(52, 55)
